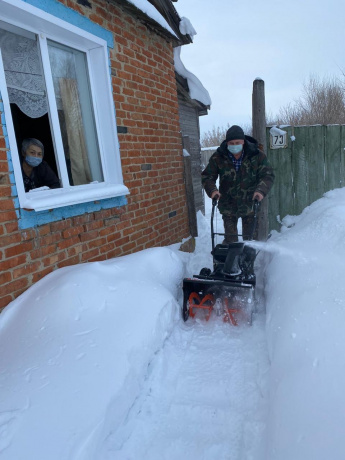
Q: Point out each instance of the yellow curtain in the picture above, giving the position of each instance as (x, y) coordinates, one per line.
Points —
(80, 167)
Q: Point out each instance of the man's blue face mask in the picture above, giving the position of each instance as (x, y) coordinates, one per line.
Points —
(33, 161)
(235, 149)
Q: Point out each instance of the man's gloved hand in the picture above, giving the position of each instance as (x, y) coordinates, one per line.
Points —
(258, 196)
(215, 195)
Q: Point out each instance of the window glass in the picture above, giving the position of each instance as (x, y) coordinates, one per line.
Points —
(26, 90)
(76, 115)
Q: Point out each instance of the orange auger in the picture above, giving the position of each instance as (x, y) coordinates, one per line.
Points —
(229, 313)
(205, 303)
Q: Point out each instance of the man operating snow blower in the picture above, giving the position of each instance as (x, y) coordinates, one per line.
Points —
(244, 175)
(245, 178)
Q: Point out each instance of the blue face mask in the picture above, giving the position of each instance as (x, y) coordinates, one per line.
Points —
(235, 149)
(33, 161)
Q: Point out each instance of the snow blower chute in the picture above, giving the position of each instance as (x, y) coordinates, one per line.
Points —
(229, 288)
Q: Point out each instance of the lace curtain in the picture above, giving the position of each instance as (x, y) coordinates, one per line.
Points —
(24, 75)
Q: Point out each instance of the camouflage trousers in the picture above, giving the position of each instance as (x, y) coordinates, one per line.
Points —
(230, 228)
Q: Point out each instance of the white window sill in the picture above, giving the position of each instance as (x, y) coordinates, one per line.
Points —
(42, 200)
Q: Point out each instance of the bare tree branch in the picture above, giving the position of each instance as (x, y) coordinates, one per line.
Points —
(322, 102)
(215, 136)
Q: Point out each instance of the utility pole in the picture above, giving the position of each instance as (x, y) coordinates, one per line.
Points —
(259, 133)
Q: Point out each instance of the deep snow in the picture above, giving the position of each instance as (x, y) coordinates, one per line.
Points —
(97, 364)
(305, 292)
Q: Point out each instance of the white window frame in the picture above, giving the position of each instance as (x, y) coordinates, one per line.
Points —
(48, 27)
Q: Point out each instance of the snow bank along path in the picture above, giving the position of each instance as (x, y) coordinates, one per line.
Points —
(305, 297)
(74, 349)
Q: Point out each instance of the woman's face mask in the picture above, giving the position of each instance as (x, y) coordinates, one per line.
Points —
(33, 161)
(235, 149)
(33, 155)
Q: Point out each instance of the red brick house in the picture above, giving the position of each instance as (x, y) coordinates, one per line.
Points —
(94, 80)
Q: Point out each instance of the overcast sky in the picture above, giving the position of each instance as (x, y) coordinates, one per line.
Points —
(281, 42)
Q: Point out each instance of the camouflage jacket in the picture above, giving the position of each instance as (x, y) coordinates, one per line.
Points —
(237, 188)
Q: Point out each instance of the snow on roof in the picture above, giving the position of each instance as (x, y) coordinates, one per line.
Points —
(186, 27)
(151, 11)
(196, 89)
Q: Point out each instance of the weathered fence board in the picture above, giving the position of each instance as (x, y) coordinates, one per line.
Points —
(285, 166)
(333, 148)
(316, 163)
(312, 163)
(299, 173)
(342, 159)
(274, 199)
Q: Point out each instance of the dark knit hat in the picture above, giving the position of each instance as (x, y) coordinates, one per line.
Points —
(235, 132)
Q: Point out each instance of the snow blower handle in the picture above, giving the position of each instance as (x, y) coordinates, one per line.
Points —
(255, 208)
(214, 204)
(216, 196)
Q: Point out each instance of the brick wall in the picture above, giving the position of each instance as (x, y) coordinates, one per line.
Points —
(145, 97)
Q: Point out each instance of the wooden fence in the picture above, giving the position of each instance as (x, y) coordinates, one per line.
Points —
(312, 163)
(206, 153)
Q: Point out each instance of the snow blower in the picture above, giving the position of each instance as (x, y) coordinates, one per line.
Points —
(229, 288)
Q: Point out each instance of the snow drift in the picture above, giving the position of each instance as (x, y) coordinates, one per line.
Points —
(74, 348)
(305, 293)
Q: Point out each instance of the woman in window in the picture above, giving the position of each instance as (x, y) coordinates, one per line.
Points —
(36, 172)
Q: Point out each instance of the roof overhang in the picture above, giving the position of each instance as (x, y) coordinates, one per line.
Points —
(168, 12)
(183, 91)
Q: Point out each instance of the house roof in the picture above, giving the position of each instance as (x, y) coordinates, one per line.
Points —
(167, 11)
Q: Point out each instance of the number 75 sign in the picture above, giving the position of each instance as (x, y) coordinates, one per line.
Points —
(278, 139)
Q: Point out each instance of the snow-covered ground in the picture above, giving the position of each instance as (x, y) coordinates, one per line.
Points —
(96, 362)
(305, 297)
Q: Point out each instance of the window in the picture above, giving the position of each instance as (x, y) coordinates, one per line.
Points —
(54, 79)
(76, 116)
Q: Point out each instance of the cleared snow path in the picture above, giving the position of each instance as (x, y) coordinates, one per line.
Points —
(204, 397)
